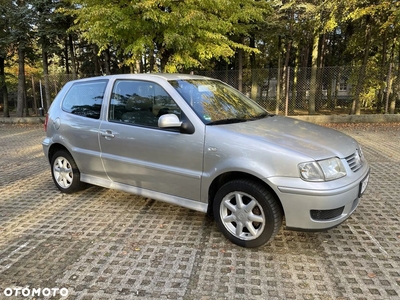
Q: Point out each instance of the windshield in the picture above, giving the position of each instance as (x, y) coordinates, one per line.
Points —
(216, 102)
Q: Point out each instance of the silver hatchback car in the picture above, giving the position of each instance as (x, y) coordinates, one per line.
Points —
(199, 143)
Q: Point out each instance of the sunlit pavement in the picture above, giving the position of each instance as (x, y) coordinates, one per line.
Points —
(104, 244)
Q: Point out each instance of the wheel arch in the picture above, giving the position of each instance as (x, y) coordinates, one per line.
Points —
(70, 181)
(229, 176)
(54, 148)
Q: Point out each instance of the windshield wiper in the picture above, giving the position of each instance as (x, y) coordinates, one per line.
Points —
(239, 120)
(227, 121)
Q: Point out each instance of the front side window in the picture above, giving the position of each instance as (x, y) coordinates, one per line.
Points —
(216, 102)
(85, 98)
(140, 102)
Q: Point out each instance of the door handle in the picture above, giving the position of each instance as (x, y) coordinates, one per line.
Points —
(108, 134)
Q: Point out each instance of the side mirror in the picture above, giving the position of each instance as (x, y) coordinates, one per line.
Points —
(172, 121)
(169, 121)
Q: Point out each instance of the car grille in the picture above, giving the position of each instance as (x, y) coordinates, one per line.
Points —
(323, 215)
(355, 161)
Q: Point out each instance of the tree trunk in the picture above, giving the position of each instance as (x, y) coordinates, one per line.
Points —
(47, 95)
(66, 55)
(34, 106)
(289, 43)
(388, 88)
(138, 66)
(254, 81)
(356, 107)
(292, 105)
(152, 61)
(278, 79)
(72, 54)
(165, 56)
(287, 74)
(21, 95)
(107, 61)
(313, 81)
(3, 89)
(266, 99)
(396, 97)
(390, 107)
(240, 70)
(381, 92)
(302, 78)
(96, 61)
(320, 72)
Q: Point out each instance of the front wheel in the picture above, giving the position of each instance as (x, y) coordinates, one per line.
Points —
(65, 172)
(247, 213)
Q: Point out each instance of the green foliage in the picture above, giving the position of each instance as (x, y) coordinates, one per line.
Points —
(103, 36)
(17, 20)
(182, 33)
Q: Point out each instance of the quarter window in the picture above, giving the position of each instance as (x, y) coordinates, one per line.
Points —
(140, 103)
(85, 99)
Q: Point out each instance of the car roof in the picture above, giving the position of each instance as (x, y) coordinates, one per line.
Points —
(148, 76)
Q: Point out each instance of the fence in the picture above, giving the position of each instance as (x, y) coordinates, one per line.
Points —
(297, 91)
(294, 91)
(36, 90)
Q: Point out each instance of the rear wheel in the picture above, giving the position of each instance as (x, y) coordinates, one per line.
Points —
(65, 172)
(247, 213)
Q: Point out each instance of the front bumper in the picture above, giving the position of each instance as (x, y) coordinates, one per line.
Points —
(319, 209)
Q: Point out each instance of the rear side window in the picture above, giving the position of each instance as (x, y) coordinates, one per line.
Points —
(85, 98)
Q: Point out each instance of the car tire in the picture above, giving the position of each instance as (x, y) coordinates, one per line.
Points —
(247, 213)
(65, 173)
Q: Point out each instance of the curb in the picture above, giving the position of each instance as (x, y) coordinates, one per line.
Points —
(319, 119)
(23, 120)
(326, 119)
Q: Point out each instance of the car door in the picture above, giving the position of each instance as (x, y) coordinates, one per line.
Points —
(136, 152)
(78, 124)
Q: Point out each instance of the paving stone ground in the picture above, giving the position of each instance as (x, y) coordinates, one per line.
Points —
(104, 244)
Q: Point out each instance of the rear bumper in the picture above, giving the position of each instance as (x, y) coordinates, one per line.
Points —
(46, 146)
(320, 209)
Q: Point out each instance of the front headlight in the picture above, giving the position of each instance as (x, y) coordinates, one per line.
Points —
(322, 170)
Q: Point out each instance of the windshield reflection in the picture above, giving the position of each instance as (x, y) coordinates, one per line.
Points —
(216, 102)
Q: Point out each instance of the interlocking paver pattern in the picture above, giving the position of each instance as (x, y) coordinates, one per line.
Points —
(105, 244)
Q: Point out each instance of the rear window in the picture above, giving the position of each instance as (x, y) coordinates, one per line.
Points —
(85, 98)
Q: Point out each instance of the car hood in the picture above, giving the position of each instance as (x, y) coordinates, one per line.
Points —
(314, 141)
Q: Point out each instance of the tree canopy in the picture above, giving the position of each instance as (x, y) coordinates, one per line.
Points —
(94, 37)
(181, 34)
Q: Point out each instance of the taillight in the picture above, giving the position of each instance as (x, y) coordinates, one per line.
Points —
(45, 122)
